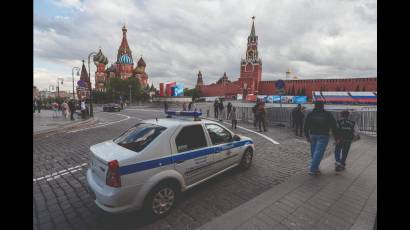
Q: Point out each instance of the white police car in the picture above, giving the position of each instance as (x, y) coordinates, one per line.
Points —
(151, 163)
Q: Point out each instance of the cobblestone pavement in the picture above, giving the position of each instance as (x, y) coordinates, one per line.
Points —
(60, 199)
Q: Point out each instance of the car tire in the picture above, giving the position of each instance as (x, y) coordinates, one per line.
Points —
(246, 160)
(161, 200)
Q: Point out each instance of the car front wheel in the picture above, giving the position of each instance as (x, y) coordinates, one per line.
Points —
(246, 160)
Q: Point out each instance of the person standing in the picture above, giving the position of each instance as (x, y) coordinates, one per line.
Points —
(39, 104)
(71, 106)
(83, 109)
(190, 106)
(166, 106)
(318, 124)
(228, 108)
(294, 111)
(262, 116)
(184, 106)
(233, 117)
(298, 117)
(346, 131)
(55, 107)
(221, 110)
(34, 105)
(65, 109)
(216, 108)
(255, 113)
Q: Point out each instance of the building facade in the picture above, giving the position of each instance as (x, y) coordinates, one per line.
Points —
(250, 79)
(123, 67)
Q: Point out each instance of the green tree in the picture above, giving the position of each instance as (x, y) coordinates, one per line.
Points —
(194, 93)
(117, 87)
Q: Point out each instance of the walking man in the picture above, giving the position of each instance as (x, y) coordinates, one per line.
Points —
(255, 113)
(39, 104)
(221, 110)
(34, 105)
(71, 105)
(233, 117)
(166, 106)
(262, 116)
(229, 108)
(317, 126)
(216, 108)
(298, 119)
(346, 131)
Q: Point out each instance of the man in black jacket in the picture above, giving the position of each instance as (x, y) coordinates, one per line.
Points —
(216, 108)
(298, 119)
(346, 131)
(71, 105)
(318, 123)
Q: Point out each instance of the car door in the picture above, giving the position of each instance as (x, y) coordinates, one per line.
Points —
(193, 157)
(226, 154)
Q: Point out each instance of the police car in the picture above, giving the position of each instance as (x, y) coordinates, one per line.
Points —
(150, 164)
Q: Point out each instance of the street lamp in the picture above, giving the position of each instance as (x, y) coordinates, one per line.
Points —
(130, 86)
(89, 79)
(78, 74)
(58, 85)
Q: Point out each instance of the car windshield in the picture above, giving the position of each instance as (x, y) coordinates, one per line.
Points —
(139, 136)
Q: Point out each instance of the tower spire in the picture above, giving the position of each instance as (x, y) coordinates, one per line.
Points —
(253, 27)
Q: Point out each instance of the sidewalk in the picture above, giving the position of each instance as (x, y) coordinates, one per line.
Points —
(344, 200)
(45, 122)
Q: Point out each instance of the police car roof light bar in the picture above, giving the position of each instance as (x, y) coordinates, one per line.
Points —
(193, 114)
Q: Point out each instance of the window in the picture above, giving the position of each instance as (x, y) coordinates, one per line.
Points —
(218, 134)
(139, 136)
(190, 137)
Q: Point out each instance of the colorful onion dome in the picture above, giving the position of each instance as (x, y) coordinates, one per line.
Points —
(125, 59)
(99, 58)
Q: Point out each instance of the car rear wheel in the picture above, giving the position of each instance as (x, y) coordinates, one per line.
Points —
(246, 160)
(161, 200)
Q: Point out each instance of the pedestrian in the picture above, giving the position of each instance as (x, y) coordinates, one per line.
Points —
(262, 116)
(294, 111)
(216, 108)
(184, 106)
(71, 106)
(221, 110)
(228, 108)
(55, 107)
(66, 109)
(255, 113)
(39, 104)
(233, 117)
(318, 124)
(83, 109)
(346, 131)
(190, 106)
(298, 117)
(34, 105)
(165, 106)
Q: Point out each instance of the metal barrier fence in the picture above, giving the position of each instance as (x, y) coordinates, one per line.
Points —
(366, 120)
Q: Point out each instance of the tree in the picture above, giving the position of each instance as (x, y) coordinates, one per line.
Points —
(194, 93)
(117, 87)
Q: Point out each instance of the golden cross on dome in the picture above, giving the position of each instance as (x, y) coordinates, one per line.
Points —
(253, 17)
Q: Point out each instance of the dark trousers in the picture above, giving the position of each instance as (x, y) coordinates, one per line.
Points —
(72, 111)
(299, 128)
(216, 113)
(234, 122)
(262, 123)
(256, 119)
(38, 108)
(341, 151)
(34, 109)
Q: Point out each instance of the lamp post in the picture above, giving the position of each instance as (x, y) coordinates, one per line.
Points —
(58, 85)
(72, 74)
(89, 79)
(130, 86)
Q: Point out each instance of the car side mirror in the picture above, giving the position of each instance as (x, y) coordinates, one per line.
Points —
(236, 138)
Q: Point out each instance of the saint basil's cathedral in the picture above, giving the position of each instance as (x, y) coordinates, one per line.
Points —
(123, 68)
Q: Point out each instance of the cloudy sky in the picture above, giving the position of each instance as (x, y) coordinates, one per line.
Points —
(314, 38)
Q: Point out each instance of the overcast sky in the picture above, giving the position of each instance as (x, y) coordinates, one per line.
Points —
(314, 38)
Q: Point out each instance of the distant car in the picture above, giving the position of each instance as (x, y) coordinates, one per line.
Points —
(112, 107)
(150, 164)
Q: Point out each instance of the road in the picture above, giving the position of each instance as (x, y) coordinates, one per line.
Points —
(60, 199)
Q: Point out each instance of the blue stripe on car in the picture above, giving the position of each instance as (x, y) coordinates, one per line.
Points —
(127, 169)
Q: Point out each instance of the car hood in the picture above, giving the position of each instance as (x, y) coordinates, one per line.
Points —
(108, 151)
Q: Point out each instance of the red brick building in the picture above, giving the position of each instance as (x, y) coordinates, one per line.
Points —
(250, 79)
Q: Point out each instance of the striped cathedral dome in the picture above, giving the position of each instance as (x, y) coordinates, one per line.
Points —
(125, 59)
(100, 58)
